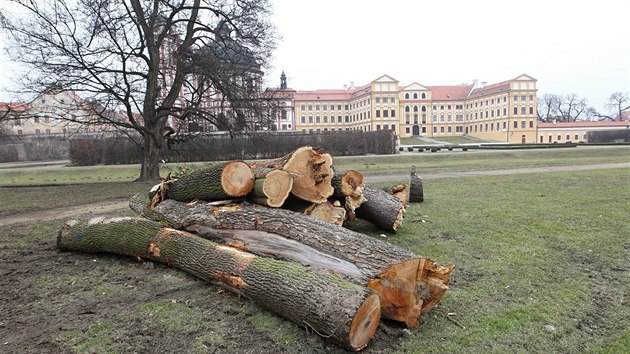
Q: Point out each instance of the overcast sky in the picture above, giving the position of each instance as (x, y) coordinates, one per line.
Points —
(579, 47)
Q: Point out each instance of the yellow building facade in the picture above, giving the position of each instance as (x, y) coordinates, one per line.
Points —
(504, 111)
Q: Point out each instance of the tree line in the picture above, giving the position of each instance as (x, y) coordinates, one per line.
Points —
(571, 108)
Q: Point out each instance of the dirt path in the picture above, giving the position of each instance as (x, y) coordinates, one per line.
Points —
(111, 206)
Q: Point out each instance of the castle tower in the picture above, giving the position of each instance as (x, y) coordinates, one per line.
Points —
(283, 81)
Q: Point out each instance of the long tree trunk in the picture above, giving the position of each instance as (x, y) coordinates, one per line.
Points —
(407, 283)
(344, 312)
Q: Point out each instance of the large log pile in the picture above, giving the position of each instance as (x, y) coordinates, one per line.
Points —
(272, 231)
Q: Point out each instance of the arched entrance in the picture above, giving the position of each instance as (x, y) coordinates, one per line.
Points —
(416, 130)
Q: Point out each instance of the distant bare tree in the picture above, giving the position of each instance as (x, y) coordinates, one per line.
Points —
(569, 108)
(113, 54)
(617, 103)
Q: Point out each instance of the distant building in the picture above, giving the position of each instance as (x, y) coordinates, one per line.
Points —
(58, 112)
(280, 106)
(504, 111)
(575, 132)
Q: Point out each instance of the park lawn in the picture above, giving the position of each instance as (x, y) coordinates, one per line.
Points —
(542, 266)
(478, 160)
(443, 161)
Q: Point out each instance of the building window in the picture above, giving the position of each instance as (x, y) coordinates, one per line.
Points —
(303, 119)
(378, 100)
(434, 130)
(310, 119)
(531, 123)
(378, 127)
(394, 127)
(449, 129)
(515, 110)
(415, 96)
(317, 107)
(504, 125)
(523, 124)
(559, 137)
(515, 124)
(577, 137)
(568, 137)
(385, 113)
(393, 113)
(325, 119)
(531, 110)
(378, 113)
(406, 130)
(523, 110)
(407, 96)
(338, 119)
(442, 130)
(407, 109)
(424, 95)
(310, 107)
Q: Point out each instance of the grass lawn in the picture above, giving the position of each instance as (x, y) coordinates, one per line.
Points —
(542, 266)
(443, 161)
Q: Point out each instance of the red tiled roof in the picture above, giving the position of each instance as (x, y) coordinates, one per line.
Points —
(490, 89)
(13, 106)
(332, 94)
(583, 124)
(450, 93)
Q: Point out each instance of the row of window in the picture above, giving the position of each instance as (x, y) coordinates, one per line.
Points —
(415, 96)
(576, 137)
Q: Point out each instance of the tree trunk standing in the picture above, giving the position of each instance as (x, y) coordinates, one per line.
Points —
(407, 283)
(150, 167)
(346, 313)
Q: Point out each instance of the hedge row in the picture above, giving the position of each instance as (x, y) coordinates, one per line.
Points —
(122, 150)
(608, 136)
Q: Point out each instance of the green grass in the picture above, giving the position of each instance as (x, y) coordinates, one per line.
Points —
(477, 160)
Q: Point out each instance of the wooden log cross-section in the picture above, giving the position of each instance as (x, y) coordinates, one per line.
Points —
(216, 182)
(345, 313)
(348, 188)
(407, 284)
(312, 170)
(272, 187)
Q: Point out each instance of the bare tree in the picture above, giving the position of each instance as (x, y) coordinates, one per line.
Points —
(160, 62)
(617, 103)
(569, 108)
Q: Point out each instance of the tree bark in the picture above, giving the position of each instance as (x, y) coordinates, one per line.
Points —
(416, 191)
(408, 284)
(271, 187)
(219, 181)
(328, 212)
(312, 169)
(346, 313)
(150, 167)
(381, 208)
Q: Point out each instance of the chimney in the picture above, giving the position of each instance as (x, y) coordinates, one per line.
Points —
(345, 86)
(483, 84)
(352, 85)
(475, 82)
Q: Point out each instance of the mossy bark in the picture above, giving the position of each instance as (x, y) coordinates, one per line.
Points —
(407, 283)
(342, 311)
(220, 181)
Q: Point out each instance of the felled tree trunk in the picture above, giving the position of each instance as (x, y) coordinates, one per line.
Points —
(416, 191)
(348, 186)
(381, 208)
(407, 283)
(271, 187)
(329, 212)
(399, 191)
(312, 170)
(346, 313)
(220, 181)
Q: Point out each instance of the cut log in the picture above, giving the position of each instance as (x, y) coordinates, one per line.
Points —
(416, 192)
(220, 181)
(399, 191)
(271, 187)
(408, 284)
(381, 208)
(347, 183)
(346, 313)
(327, 211)
(312, 171)
(348, 186)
